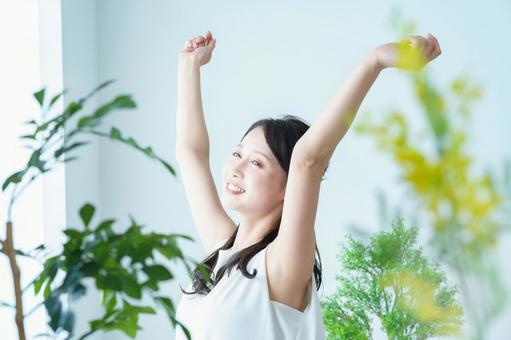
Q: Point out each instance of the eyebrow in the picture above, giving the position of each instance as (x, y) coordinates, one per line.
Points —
(256, 151)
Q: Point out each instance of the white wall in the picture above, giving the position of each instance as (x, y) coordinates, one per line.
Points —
(270, 59)
(80, 76)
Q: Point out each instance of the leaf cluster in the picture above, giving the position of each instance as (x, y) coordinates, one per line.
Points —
(123, 267)
(391, 280)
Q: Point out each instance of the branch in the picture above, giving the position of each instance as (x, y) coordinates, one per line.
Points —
(5, 304)
(34, 309)
(16, 277)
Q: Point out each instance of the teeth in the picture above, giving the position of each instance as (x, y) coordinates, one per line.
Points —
(235, 187)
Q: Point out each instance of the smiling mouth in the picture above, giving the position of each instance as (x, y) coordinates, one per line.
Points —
(232, 191)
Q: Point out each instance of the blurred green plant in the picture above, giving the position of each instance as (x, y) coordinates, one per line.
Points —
(122, 265)
(465, 210)
(116, 262)
(391, 280)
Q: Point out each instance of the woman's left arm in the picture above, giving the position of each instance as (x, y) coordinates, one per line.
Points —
(319, 142)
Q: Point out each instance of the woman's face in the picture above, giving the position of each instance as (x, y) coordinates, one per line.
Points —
(253, 167)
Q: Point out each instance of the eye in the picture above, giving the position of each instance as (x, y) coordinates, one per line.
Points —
(256, 162)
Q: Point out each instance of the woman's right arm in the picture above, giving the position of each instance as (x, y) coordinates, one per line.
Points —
(192, 148)
(191, 132)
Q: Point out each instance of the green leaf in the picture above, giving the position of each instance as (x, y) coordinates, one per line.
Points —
(168, 167)
(67, 148)
(30, 122)
(157, 273)
(131, 287)
(100, 87)
(105, 227)
(32, 137)
(55, 98)
(115, 133)
(39, 96)
(70, 159)
(77, 291)
(167, 304)
(38, 283)
(14, 178)
(86, 213)
(54, 308)
(119, 102)
(47, 290)
(68, 321)
(73, 233)
(35, 160)
(108, 299)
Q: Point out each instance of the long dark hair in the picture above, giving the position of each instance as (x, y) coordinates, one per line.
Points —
(281, 135)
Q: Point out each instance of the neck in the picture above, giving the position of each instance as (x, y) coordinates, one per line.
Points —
(252, 230)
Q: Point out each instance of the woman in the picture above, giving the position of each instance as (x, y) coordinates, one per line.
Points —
(261, 278)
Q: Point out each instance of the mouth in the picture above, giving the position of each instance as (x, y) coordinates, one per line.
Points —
(232, 190)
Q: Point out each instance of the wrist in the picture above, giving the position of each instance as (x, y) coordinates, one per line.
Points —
(372, 61)
(189, 61)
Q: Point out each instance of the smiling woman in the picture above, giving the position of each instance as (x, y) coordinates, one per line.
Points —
(280, 164)
(255, 177)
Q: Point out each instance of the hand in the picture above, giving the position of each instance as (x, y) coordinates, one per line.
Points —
(411, 53)
(199, 48)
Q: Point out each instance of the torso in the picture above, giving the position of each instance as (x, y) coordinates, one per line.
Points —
(292, 294)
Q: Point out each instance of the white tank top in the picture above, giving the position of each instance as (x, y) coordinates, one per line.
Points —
(240, 308)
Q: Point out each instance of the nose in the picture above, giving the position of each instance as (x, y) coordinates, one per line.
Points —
(237, 170)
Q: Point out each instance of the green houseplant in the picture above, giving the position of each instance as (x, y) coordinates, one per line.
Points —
(123, 265)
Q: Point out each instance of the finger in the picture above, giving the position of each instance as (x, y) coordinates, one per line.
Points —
(203, 41)
(422, 42)
(416, 41)
(430, 47)
(434, 40)
(412, 41)
(437, 45)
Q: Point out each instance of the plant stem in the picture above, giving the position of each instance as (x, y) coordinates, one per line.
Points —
(34, 309)
(16, 277)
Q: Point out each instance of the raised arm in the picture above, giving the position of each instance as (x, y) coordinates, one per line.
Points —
(321, 139)
(191, 132)
(192, 146)
(293, 250)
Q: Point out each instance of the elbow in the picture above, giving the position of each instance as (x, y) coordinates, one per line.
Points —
(310, 159)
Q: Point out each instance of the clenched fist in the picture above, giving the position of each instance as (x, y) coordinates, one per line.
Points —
(199, 48)
(411, 53)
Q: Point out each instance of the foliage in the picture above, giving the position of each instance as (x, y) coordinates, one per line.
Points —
(467, 211)
(123, 265)
(49, 133)
(391, 280)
